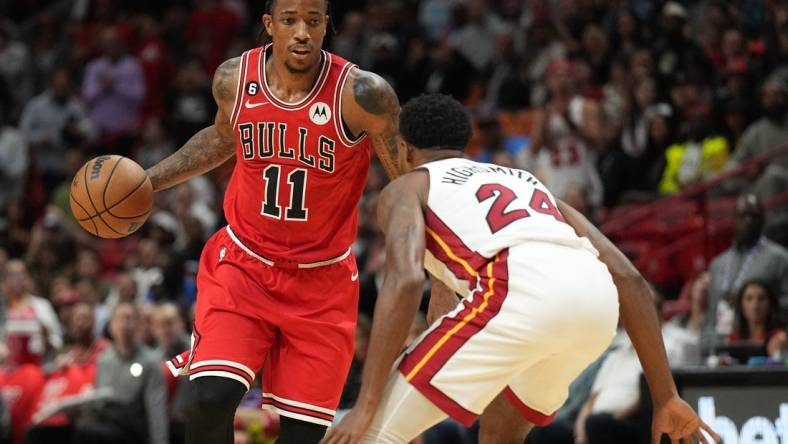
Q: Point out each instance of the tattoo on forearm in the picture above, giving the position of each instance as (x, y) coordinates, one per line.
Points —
(377, 97)
(387, 148)
(203, 152)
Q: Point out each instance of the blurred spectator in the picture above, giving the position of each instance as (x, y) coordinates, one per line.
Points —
(765, 134)
(171, 340)
(123, 289)
(757, 313)
(566, 135)
(191, 105)
(20, 388)
(15, 67)
(148, 272)
(158, 66)
(53, 122)
(137, 409)
(674, 49)
(627, 36)
(73, 377)
(155, 144)
(14, 162)
(114, 90)
(416, 70)
(634, 137)
(32, 327)
(211, 28)
(541, 50)
(507, 87)
(492, 138)
(435, 16)
(700, 155)
(352, 41)
(477, 32)
(751, 257)
(596, 51)
(87, 268)
(145, 332)
(692, 319)
(169, 330)
(451, 72)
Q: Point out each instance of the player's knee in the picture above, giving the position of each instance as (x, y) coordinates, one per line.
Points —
(213, 397)
(502, 435)
(293, 431)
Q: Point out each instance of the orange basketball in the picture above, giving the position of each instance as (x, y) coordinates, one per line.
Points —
(111, 196)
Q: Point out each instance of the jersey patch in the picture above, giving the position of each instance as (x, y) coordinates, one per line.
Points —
(252, 88)
(319, 113)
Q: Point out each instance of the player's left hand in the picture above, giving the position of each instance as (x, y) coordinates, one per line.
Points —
(676, 419)
(351, 428)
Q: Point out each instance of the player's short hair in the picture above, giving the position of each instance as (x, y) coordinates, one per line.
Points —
(435, 121)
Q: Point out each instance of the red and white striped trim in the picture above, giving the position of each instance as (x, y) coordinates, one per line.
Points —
(338, 126)
(298, 410)
(222, 369)
(303, 103)
(178, 363)
(242, 73)
(271, 263)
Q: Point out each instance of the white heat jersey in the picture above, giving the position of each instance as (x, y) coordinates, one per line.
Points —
(474, 210)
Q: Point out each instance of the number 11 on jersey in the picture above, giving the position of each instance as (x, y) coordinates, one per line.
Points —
(297, 180)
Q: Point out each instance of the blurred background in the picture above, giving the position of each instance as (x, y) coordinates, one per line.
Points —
(665, 123)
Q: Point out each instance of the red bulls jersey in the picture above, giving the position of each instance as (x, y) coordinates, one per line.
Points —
(299, 174)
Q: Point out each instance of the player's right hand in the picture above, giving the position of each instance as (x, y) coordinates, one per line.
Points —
(351, 428)
(676, 419)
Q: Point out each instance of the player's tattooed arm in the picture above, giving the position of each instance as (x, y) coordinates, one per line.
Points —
(374, 109)
(211, 146)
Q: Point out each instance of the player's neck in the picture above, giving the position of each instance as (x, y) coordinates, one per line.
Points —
(436, 155)
(287, 84)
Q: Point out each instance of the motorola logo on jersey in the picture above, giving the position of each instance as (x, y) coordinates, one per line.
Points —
(266, 140)
(319, 113)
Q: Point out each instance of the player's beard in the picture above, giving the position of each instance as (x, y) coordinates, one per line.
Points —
(296, 70)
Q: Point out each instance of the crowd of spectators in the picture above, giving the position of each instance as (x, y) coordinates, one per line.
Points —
(608, 102)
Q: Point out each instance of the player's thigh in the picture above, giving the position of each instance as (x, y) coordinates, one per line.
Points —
(541, 389)
(307, 367)
(502, 423)
(404, 413)
(229, 338)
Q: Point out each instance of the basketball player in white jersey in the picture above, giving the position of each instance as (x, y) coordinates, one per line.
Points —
(543, 288)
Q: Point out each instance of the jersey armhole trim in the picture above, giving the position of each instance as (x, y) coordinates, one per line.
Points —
(242, 70)
(347, 139)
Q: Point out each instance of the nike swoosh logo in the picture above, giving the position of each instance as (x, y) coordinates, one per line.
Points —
(251, 105)
(354, 277)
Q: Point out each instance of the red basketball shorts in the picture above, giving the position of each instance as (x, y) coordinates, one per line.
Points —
(297, 325)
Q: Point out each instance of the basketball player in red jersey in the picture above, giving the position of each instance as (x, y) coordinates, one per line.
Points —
(278, 286)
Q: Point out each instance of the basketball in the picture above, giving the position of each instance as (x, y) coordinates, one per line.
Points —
(111, 196)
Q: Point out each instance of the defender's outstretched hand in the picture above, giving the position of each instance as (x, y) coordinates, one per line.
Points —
(350, 429)
(676, 419)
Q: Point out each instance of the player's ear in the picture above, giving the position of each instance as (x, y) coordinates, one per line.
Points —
(268, 23)
(403, 154)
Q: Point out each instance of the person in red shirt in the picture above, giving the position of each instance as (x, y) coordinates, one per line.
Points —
(75, 375)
